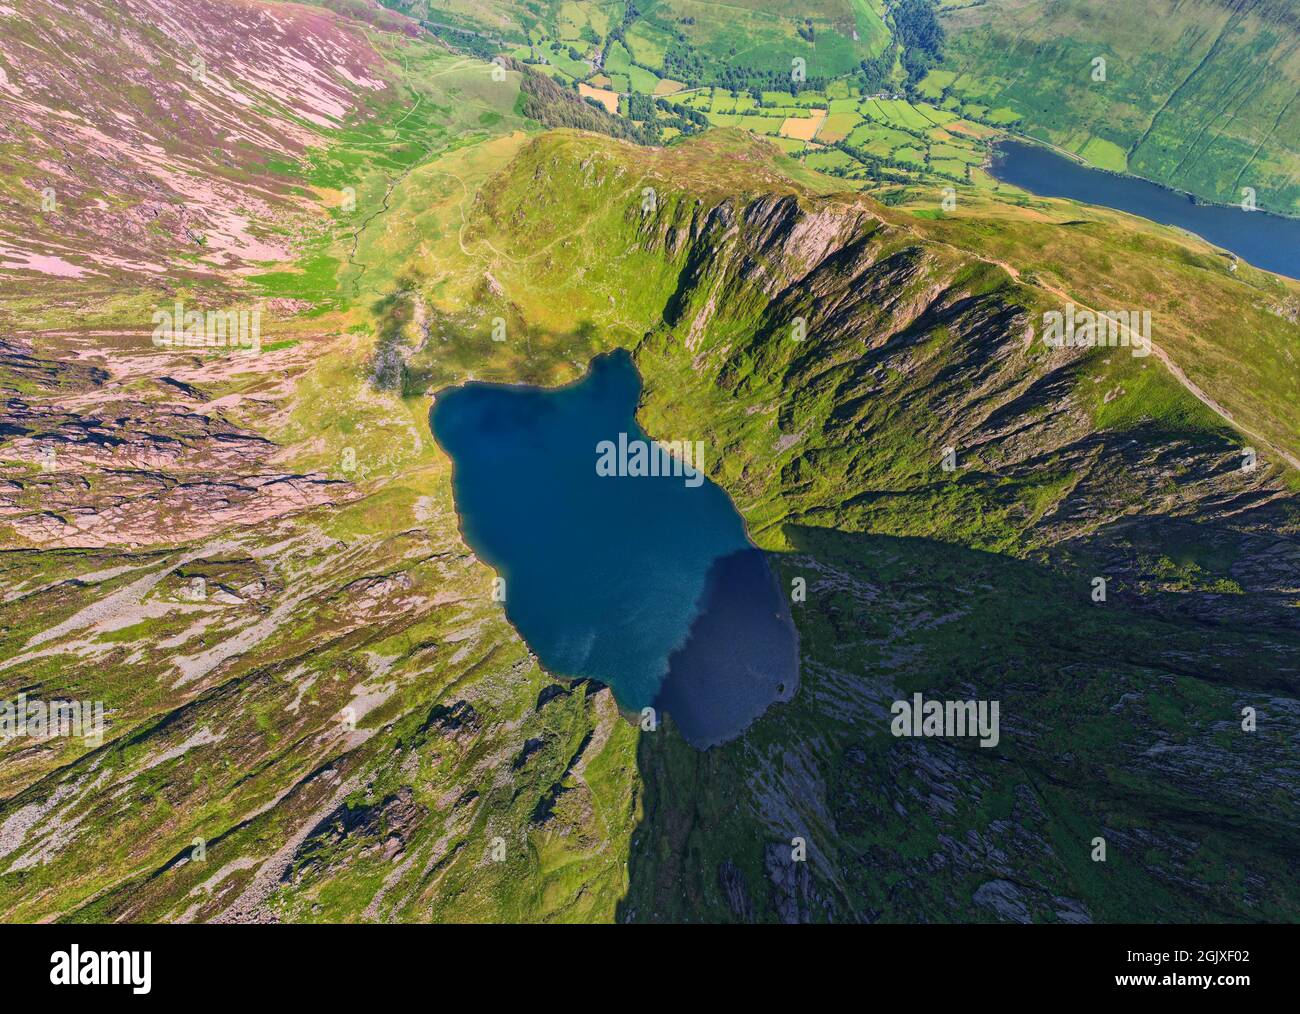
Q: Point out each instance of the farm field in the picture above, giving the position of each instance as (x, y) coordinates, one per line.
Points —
(607, 98)
(676, 67)
(870, 141)
(742, 42)
(1007, 65)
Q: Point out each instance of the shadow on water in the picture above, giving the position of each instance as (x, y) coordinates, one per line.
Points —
(741, 656)
(1116, 719)
(941, 829)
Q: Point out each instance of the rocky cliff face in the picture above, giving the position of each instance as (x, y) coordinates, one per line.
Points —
(90, 465)
(853, 350)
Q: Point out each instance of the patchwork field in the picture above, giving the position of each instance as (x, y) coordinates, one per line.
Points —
(803, 128)
(607, 98)
(1232, 69)
(875, 143)
(676, 67)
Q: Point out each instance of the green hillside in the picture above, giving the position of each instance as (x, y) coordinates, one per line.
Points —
(1202, 95)
(748, 42)
(831, 452)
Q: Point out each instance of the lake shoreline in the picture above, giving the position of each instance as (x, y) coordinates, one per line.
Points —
(1261, 239)
(1193, 199)
(621, 612)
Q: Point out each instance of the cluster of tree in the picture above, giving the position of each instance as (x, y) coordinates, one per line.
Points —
(470, 43)
(694, 116)
(685, 64)
(554, 106)
(877, 73)
(872, 172)
(873, 163)
(877, 167)
(917, 29)
(640, 107)
(684, 118)
(647, 124)
(617, 33)
(645, 109)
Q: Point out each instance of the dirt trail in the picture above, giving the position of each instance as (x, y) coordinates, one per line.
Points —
(1218, 409)
(1191, 386)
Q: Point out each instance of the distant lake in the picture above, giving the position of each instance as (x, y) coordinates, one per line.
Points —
(647, 583)
(1267, 241)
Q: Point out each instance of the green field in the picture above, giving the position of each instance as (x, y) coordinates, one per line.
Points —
(1177, 104)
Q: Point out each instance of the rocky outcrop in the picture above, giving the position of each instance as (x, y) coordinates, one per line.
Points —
(118, 470)
(380, 831)
(732, 882)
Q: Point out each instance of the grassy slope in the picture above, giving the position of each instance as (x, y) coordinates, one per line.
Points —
(1232, 332)
(1198, 95)
(376, 601)
(175, 183)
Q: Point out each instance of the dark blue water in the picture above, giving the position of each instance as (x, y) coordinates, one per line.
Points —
(1267, 241)
(646, 583)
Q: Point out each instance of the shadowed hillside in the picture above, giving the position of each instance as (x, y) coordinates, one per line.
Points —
(832, 447)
